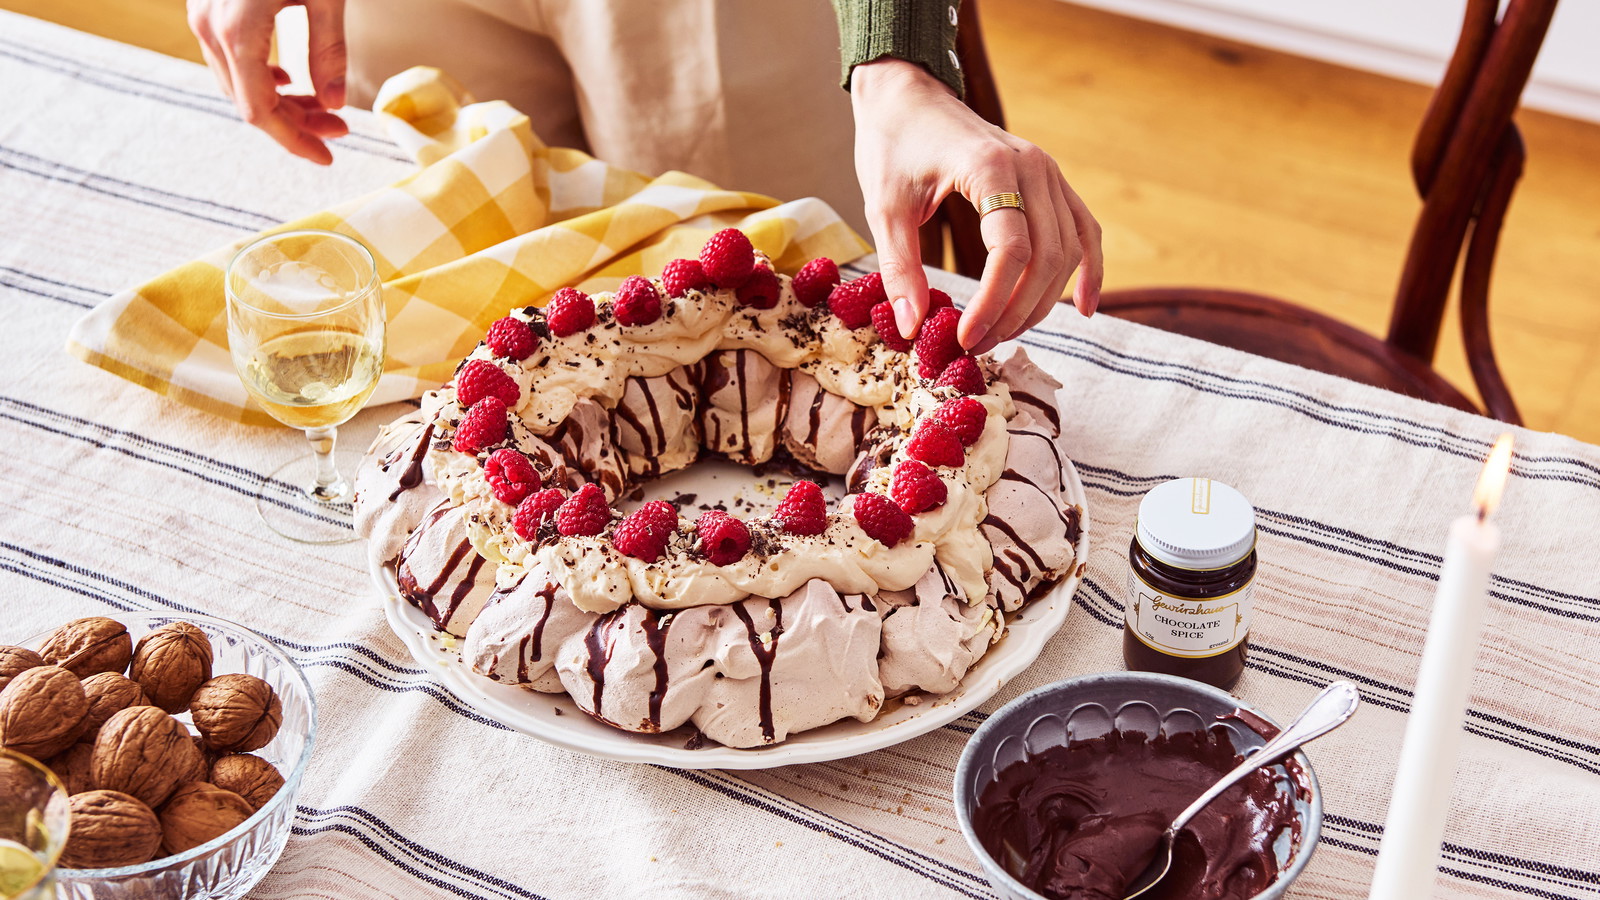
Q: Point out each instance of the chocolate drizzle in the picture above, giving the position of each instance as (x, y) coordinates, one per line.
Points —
(765, 653)
(655, 634)
(548, 595)
(600, 646)
(412, 476)
(1044, 406)
(423, 597)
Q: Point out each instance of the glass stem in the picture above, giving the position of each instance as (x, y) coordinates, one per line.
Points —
(330, 486)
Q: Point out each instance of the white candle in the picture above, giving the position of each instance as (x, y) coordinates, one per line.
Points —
(1409, 854)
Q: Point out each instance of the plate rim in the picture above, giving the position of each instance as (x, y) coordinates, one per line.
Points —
(986, 678)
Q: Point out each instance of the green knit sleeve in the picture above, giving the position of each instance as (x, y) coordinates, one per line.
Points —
(919, 31)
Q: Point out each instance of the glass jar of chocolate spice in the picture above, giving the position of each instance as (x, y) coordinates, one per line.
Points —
(1191, 572)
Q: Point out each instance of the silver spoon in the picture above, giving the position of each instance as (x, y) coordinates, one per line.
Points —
(1333, 706)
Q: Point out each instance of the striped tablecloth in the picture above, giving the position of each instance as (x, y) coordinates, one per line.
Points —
(116, 164)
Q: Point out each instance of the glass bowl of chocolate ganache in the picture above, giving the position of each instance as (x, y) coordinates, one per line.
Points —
(1064, 792)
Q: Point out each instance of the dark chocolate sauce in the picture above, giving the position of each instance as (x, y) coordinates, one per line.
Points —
(412, 476)
(814, 423)
(548, 595)
(765, 653)
(655, 634)
(1002, 526)
(463, 589)
(599, 647)
(423, 597)
(1047, 408)
(1080, 822)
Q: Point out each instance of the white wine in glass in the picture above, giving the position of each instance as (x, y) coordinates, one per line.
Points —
(306, 331)
(34, 819)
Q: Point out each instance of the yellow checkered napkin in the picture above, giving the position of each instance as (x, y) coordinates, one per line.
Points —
(493, 220)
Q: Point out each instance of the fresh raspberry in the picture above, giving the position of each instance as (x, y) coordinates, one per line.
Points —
(760, 291)
(660, 513)
(802, 510)
(851, 305)
(585, 512)
(728, 258)
(682, 276)
(539, 506)
(888, 331)
(480, 378)
(871, 287)
(511, 476)
(963, 375)
(815, 281)
(482, 427)
(723, 539)
(937, 345)
(938, 300)
(915, 487)
(637, 302)
(935, 444)
(964, 416)
(882, 519)
(643, 533)
(569, 312)
(512, 339)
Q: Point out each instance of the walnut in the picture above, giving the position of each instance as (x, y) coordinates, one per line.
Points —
(144, 752)
(199, 812)
(109, 692)
(236, 712)
(247, 775)
(72, 766)
(14, 661)
(110, 829)
(42, 712)
(170, 662)
(199, 764)
(89, 646)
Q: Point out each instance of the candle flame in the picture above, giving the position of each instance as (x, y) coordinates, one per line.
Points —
(1493, 480)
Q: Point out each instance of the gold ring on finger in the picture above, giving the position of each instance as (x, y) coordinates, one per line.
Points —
(1004, 200)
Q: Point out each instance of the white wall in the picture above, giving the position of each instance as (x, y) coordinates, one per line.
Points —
(1409, 39)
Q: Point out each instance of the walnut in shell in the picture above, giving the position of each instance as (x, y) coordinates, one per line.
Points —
(16, 660)
(109, 692)
(110, 829)
(144, 752)
(199, 764)
(247, 775)
(170, 662)
(89, 646)
(42, 712)
(74, 767)
(198, 812)
(236, 712)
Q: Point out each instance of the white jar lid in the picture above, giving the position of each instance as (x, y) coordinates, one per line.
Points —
(1196, 523)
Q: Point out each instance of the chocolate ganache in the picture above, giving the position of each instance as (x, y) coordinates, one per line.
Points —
(1081, 821)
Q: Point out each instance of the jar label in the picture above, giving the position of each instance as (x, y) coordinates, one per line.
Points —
(1183, 626)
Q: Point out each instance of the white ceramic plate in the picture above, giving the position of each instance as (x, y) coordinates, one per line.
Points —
(555, 719)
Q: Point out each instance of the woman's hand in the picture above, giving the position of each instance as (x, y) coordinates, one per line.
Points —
(916, 143)
(236, 38)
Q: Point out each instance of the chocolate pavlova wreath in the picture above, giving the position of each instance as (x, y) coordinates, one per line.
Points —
(494, 503)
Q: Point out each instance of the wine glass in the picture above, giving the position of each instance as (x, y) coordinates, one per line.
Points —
(306, 331)
(33, 828)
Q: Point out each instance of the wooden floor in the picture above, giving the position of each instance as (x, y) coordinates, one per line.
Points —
(1215, 163)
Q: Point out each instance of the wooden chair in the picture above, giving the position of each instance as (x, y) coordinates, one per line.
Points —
(1466, 162)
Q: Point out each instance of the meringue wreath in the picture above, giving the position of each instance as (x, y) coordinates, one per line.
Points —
(495, 502)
